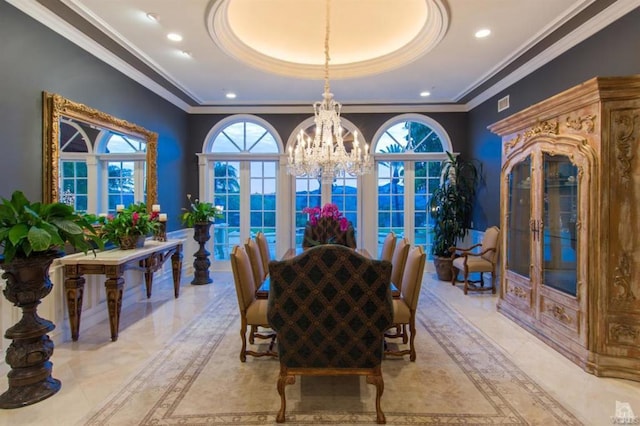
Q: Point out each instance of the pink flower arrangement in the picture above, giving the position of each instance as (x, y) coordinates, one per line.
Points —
(329, 210)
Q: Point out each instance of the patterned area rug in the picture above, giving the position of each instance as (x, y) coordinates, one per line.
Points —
(460, 377)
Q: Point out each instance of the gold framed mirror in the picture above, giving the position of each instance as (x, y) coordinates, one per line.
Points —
(58, 110)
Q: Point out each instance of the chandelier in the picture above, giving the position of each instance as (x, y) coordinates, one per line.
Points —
(325, 155)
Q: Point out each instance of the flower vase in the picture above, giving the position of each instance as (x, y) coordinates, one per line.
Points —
(130, 242)
(201, 263)
(30, 381)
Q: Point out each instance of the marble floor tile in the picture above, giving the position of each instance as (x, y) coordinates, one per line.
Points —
(94, 368)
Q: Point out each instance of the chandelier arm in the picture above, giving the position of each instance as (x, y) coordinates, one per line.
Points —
(325, 155)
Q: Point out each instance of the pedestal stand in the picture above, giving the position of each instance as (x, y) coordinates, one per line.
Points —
(201, 263)
(28, 355)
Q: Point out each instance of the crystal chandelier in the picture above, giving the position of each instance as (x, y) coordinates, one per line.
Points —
(325, 155)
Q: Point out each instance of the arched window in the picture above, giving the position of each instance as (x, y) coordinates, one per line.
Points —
(99, 168)
(75, 146)
(123, 169)
(313, 192)
(408, 153)
(239, 171)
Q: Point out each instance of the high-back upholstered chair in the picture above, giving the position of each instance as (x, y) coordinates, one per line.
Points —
(398, 260)
(255, 259)
(388, 246)
(404, 308)
(253, 312)
(263, 245)
(483, 261)
(330, 307)
(327, 230)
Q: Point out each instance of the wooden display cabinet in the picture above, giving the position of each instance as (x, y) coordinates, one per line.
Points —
(570, 211)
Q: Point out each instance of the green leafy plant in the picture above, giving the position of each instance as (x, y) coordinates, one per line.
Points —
(132, 221)
(451, 204)
(30, 229)
(198, 212)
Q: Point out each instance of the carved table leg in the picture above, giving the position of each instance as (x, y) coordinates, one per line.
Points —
(74, 290)
(114, 287)
(148, 277)
(176, 266)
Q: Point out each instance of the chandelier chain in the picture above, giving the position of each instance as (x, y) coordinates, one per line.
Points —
(327, 58)
(325, 156)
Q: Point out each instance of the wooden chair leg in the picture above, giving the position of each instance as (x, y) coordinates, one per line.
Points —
(454, 274)
(405, 338)
(243, 336)
(254, 330)
(466, 281)
(377, 380)
(412, 329)
(493, 282)
(283, 380)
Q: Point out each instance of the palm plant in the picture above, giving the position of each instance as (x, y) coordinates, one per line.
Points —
(451, 204)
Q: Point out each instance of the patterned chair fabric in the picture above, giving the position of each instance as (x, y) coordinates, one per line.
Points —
(330, 307)
(327, 231)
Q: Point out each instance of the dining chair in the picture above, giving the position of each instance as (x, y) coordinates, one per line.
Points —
(483, 261)
(398, 261)
(263, 244)
(330, 307)
(388, 246)
(253, 312)
(404, 307)
(255, 258)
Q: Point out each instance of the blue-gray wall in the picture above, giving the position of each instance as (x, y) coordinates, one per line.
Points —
(614, 51)
(35, 59)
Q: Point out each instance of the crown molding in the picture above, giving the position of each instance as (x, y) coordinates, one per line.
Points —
(614, 12)
(77, 37)
(308, 109)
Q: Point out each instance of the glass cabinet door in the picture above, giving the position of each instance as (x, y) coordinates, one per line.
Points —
(518, 219)
(559, 216)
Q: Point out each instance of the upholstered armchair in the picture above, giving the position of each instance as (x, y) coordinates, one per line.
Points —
(484, 260)
(327, 230)
(330, 307)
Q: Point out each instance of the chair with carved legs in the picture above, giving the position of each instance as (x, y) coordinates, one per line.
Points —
(253, 312)
(404, 308)
(485, 260)
(330, 307)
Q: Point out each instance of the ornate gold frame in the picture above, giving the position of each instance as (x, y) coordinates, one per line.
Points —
(53, 108)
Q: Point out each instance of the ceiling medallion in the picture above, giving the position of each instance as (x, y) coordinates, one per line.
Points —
(284, 36)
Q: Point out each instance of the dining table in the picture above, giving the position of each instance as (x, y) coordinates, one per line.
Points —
(263, 290)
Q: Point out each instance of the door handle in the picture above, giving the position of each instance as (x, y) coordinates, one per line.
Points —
(535, 229)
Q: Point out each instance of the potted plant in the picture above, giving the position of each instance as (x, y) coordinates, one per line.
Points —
(200, 216)
(129, 227)
(451, 207)
(327, 225)
(31, 236)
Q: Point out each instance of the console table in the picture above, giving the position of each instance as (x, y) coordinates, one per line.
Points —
(112, 264)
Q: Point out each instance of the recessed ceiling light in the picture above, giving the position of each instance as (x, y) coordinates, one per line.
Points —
(174, 37)
(152, 17)
(186, 53)
(425, 94)
(483, 33)
(230, 95)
